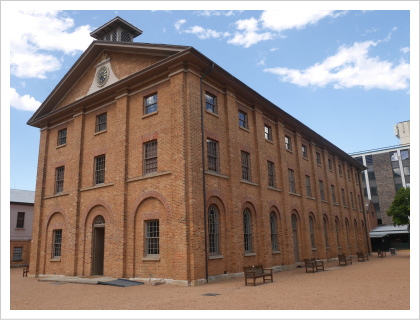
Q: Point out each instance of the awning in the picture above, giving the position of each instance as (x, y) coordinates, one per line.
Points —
(382, 231)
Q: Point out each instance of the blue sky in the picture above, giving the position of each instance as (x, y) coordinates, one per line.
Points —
(344, 73)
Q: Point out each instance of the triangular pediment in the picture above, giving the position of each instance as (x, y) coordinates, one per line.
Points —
(116, 60)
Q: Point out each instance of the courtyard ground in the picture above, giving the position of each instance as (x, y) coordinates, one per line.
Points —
(377, 284)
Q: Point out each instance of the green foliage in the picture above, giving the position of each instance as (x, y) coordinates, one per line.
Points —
(400, 207)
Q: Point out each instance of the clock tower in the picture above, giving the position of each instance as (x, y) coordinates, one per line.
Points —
(116, 30)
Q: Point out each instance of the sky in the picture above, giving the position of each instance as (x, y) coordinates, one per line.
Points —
(343, 71)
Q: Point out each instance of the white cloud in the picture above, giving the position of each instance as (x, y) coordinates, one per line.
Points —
(251, 31)
(205, 33)
(405, 50)
(199, 31)
(34, 43)
(248, 33)
(293, 19)
(350, 67)
(179, 23)
(209, 13)
(25, 102)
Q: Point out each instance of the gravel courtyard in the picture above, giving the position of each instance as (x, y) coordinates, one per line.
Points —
(377, 284)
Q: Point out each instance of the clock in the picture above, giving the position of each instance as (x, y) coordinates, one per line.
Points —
(102, 75)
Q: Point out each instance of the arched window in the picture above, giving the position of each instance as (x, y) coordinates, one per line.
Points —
(326, 232)
(247, 231)
(311, 231)
(213, 227)
(337, 231)
(273, 227)
(355, 233)
(295, 237)
(347, 233)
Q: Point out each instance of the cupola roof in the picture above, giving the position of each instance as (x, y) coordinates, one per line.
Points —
(116, 30)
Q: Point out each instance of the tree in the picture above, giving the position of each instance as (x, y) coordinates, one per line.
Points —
(400, 208)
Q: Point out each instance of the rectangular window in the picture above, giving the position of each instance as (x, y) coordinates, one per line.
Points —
(57, 238)
(308, 186)
(20, 222)
(267, 132)
(343, 197)
(213, 155)
(348, 174)
(318, 158)
(333, 196)
(292, 188)
(405, 154)
(369, 159)
(243, 119)
(330, 167)
(288, 142)
(99, 169)
(271, 174)
(151, 104)
(246, 170)
(340, 170)
(211, 103)
(101, 122)
(152, 237)
(321, 190)
(352, 200)
(304, 151)
(360, 202)
(150, 157)
(17, 253)
(59, 179)
(62, 137)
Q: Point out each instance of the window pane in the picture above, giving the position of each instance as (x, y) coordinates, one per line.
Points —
(20, 220)
(59, 179)
(245, 166)
(213, 226)
(152, 237)
(100, 169)
(404, 154)
(57, 243)
(150, 157)
(243, 119)
(150, 104)
(17, 253)
(212, 155)
(247, 231)
(273, 226)
(101, 122)
(211, 103)
(62, 137)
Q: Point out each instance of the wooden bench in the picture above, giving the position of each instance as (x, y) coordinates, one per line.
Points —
(25, 271)
(381, 254)
(342, 259)
(314, 265)
(362, 256)
(258, 271)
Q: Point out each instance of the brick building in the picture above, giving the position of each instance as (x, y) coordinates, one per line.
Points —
(21, 215)
(157, 163)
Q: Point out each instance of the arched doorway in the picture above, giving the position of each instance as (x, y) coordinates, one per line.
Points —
(98, 245)
(295, 237)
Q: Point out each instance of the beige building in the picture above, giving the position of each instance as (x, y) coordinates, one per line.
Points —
(21, 215)
(157, 163)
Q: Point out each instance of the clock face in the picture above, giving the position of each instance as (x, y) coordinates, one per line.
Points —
(102, 75)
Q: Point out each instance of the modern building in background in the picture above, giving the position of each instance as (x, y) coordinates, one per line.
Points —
(155, 162)
(388, 169)
(21, 216)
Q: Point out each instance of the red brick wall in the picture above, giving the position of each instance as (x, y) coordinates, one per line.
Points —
(174, 195)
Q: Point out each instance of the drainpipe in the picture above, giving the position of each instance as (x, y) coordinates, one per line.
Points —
(204, 172)
(364, 212)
